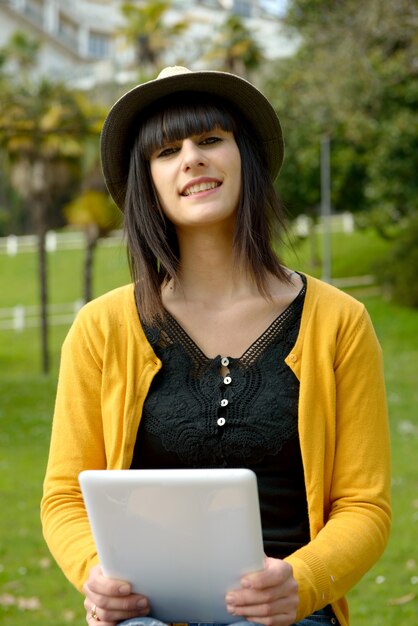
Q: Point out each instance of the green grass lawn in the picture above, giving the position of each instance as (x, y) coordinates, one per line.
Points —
(65, 275)
(32, 588)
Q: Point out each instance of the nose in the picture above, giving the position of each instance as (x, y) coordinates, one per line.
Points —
(192, 155)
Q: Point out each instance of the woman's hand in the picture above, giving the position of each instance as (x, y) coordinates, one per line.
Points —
(109, 601)
(268, 597)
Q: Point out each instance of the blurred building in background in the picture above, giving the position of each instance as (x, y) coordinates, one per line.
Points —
(81, 40)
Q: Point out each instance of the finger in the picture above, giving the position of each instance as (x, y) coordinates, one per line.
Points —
(280, 612)
(92, 622)
(136, 603)
(274, 574)
(275, 620)
(95, 613)
(100, 584)
(117, 609)
(264, 609)
(118, 616)
(92, 618)
(254, 595)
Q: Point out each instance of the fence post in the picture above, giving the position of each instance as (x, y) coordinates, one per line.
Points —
(348, 223)
(78, 304)
(19, 317)
(302, 225)
(12, 245)
(51, 241)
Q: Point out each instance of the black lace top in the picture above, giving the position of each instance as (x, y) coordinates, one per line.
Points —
(195, 417)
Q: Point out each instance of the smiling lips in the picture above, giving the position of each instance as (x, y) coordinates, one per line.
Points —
(199, 187)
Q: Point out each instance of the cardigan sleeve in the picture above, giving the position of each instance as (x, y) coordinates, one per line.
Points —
(77, 443)
(355, 511)
(107, 366)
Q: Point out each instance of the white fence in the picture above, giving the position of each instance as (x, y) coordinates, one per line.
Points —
(19, 317)
(338, 223)
(75, 240)
(72, 240)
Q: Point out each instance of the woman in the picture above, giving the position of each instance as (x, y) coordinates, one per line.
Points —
(219, 356)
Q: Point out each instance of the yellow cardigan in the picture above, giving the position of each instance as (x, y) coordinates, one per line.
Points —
(106, 370)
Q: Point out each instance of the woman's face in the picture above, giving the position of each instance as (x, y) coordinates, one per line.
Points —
(198, 179)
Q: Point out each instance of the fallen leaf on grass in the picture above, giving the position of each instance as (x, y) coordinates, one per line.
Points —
(69, 616)
(24, 604)
(407, 428)
(402, 600)
(29, 604)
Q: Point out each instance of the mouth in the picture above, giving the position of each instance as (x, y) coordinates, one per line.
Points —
(199, 187)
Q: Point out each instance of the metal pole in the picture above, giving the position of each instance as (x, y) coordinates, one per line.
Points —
(326, 207)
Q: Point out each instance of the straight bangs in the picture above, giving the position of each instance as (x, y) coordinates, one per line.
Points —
(183, 116)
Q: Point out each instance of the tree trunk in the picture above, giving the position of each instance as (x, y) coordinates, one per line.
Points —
(43, 287)
(92, 239)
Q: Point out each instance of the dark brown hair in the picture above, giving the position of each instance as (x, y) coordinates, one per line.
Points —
(152, 241)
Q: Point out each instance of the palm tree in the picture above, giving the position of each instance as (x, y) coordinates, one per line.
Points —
(234, 49)
(21, 51)
(147, 30)
(42, 129)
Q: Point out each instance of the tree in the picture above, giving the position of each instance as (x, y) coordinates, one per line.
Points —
(42, 129)
(147, 29)
(234, 49)
(20, 52)
(354, 77)
(398, 271)
(358, 63)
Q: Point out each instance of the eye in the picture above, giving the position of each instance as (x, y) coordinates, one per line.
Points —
(165, 152)
(212, 139)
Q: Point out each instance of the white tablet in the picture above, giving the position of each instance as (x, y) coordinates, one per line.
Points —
(183, 538)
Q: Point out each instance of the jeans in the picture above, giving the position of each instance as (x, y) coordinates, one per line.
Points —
(324, 617)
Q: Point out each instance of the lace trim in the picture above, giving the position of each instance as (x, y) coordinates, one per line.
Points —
(208, 420)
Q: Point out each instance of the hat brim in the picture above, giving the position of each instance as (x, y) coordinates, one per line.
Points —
(116, 136)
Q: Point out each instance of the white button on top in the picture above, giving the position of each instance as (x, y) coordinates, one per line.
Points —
(224, 402)
(225, 361)
(221, 421)
(227, 380)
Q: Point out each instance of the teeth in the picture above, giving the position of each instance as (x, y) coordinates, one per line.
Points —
(200, 187)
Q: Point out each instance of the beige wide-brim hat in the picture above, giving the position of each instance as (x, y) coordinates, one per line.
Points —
(117, 133)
